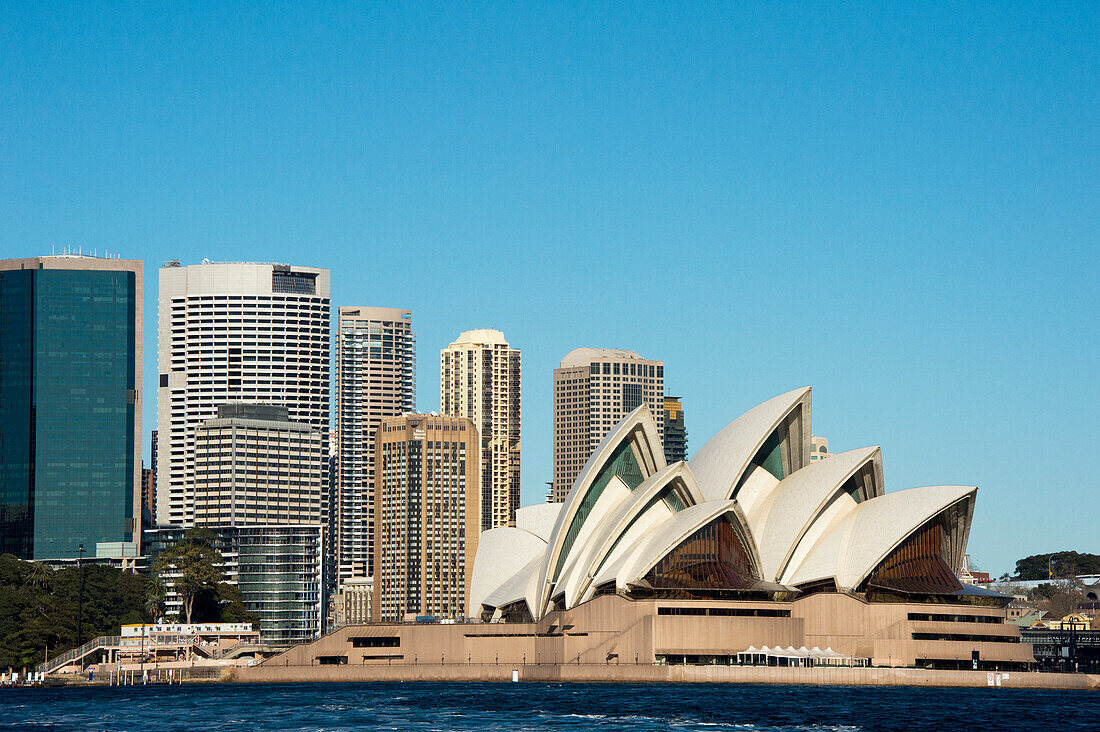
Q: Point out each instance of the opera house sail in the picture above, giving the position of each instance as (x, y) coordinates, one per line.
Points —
(746, 548)
(747, 517)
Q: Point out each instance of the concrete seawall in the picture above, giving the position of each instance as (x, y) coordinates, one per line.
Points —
(662, 674)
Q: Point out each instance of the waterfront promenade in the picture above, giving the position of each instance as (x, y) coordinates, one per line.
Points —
(646, 673)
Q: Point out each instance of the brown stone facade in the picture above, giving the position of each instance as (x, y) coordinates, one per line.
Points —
(613, 630)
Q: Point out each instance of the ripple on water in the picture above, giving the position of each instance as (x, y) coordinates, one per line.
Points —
(639, 707)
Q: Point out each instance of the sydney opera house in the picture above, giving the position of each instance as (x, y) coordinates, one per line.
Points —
(748, 553)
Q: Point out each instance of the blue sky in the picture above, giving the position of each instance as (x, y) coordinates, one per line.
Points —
(896, 204)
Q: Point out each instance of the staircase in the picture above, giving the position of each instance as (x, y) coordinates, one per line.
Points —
(116, 642)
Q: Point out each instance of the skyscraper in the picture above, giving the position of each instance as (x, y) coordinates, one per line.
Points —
(375, 379)
(426, 506)
(234, 332)
(479, 379)
(253, 466)
(149, 487)
(594, 388)
(676, 436)
(70, 405)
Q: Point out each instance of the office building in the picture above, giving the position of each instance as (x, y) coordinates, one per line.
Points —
(352, 602)
(253, 467)
(148, 498)
(70, 406)
(241, 332)
(149, 487)
(676, 436)
(277, 569)
(594, 388)
(375, 379)
(479, 379)
(426, 508)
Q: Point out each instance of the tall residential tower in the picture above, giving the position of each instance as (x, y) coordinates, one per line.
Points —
(375, 379)
(237, 332)
(426, 516)
(479, 379)
(70, 406)
(593, 390)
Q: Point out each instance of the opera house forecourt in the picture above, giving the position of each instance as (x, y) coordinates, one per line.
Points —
(747, 555)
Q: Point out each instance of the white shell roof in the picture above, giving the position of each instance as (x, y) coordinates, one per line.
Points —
(501, 554)
(654, 547)
(539, 519)
(587, 558)
(858, 542)
(519, 587)
(653, 459)
(796, 502)
(798, 530)
(719, 464)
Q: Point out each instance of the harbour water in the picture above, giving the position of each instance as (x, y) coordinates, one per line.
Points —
(481, 707)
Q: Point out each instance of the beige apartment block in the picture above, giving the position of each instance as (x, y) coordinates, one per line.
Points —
(594, 388)
(479, 378)
(426, 504)
(819, 448)
(352, 601)
(238, 332)
(253, 466)
(375, 379)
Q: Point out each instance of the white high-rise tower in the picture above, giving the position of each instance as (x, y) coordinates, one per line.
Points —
(479, 379)
(237, 332)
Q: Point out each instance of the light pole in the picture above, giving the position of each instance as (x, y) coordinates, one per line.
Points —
(80, 602)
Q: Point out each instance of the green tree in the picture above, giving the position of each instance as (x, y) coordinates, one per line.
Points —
(192, 566)
(38, 608)
(40, 577)
(1061, 564)
(154, 600)
(1058, 598)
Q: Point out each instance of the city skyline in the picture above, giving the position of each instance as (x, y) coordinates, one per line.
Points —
(899, 214)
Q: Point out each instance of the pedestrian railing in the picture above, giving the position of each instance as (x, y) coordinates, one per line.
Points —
(130, 643)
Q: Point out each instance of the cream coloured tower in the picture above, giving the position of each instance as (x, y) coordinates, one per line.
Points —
(255, 467)
(593, 389)
(234, 332)
(426, 523)
(375, 379)
(479, 379)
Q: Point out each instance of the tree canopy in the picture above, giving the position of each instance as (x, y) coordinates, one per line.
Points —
(193, 568)
(1063, 564)
(38, 607)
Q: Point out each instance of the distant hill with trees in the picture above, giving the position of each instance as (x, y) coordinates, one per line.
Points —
(1064, 564)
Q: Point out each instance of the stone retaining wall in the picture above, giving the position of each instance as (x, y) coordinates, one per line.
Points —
(648, 674)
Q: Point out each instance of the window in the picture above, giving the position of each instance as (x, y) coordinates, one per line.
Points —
(385, 641)
(296, 283)
(332, 660)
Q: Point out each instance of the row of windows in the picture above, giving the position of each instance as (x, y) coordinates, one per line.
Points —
(726, 612)
(953, 618)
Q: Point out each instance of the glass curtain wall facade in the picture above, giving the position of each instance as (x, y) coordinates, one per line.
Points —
(276, 568)
(69, 415)
(375, 379)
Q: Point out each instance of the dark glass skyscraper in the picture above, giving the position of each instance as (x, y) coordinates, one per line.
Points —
(70, 405)
(676, 436)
